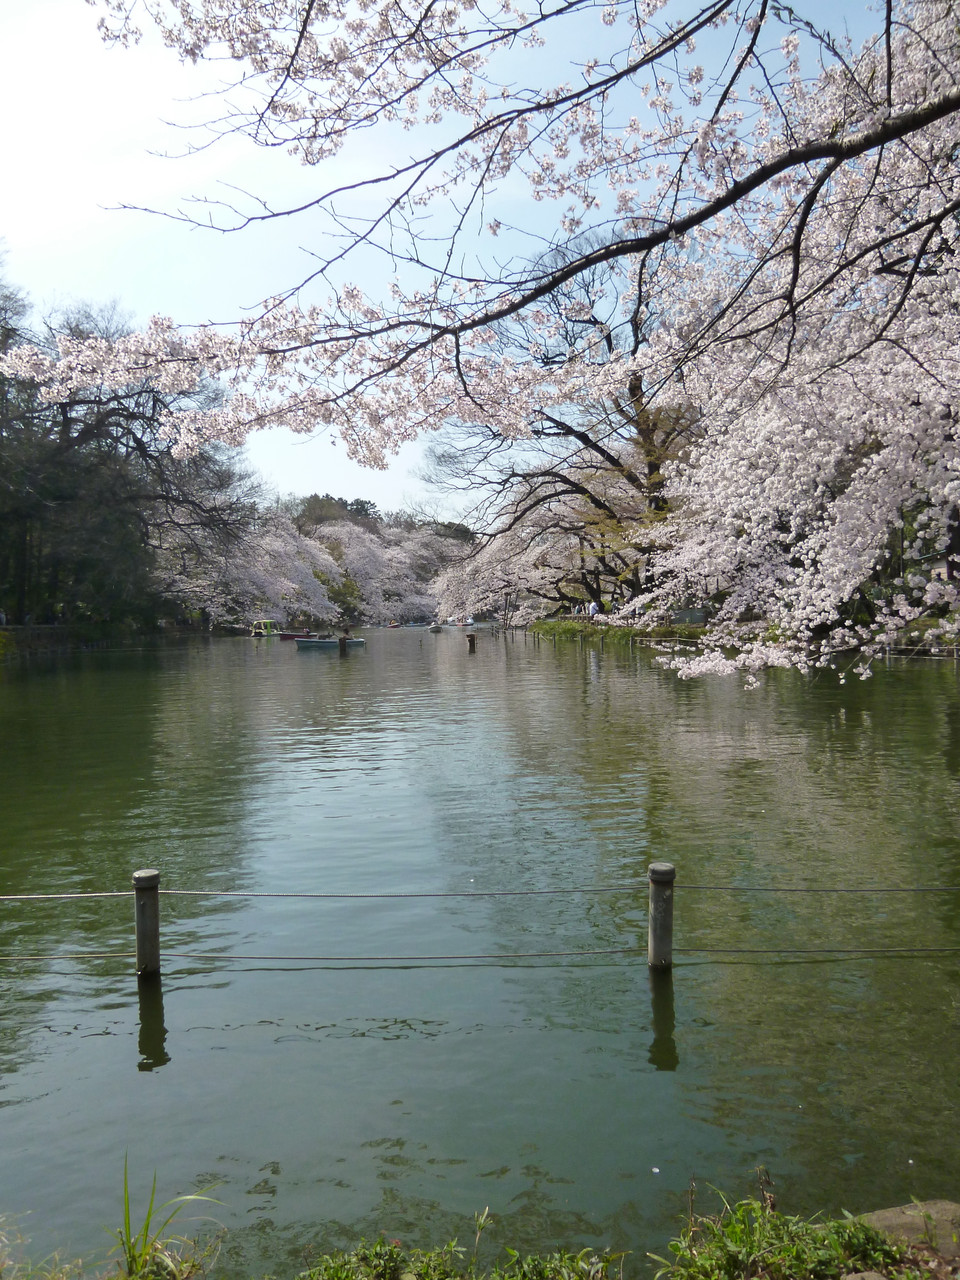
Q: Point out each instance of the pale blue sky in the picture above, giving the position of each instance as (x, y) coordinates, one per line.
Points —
(85, 131)
(80, 123)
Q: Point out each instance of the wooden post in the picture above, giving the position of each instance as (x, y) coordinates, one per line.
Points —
(146, 886)
(660, 915)
(471, 642)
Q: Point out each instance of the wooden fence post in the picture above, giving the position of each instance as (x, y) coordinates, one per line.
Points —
(660, 915)
(146, 886)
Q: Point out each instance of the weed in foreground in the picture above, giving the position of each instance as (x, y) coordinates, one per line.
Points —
(388, 1260)
(752, 1240)
(15, 1266)
(150, 1253)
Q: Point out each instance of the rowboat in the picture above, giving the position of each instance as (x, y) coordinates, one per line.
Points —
(329, 642)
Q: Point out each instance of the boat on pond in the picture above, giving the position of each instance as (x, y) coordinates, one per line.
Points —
(329, 642)
(265, 627)
(270, 627)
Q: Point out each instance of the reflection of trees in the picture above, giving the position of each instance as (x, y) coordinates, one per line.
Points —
(534, 769)
(106, 778)
(803, 782)
(603, 762)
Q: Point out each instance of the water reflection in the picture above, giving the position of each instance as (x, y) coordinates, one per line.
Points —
(402, 1100)
(951, 745)
(663, 1055)
(152, 1041)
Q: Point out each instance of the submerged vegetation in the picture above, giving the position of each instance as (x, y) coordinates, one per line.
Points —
(388, 1260)
(749, 1240)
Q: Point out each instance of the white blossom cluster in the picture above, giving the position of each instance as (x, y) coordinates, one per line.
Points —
(273, 572)
(795, 237)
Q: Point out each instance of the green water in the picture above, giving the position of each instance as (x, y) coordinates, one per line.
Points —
(332, 1099)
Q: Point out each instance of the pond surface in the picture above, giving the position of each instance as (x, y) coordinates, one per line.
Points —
(333, 1099)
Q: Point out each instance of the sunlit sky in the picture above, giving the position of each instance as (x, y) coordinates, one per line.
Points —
(86, 130)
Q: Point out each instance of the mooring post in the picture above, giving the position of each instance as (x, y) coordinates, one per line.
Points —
(471, 642)
(660, 915)
(146, 887)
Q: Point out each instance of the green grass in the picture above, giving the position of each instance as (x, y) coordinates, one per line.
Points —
(388, 1260)
(570, 628)
(751, 1240)
(745, 1241)
(152, 1252)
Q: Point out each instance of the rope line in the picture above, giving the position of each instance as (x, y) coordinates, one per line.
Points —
(66, 897)
(815, 951)
(243, 893)
(499, 955)
(73, 955)
(480, 893)
(496, 955)
(457, 893)
(738, 888)
(219, 955)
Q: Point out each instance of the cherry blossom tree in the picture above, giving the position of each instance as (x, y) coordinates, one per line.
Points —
(387, 572)
(588, 476)
(773, 207)
(272, 571)
(90, 489)
(520, 573)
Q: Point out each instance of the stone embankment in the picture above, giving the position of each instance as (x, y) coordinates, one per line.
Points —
(931, 1227)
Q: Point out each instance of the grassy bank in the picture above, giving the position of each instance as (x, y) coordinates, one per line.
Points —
(749, 1240)
(594, 632)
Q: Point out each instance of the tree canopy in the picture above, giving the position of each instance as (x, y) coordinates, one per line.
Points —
(731, 216)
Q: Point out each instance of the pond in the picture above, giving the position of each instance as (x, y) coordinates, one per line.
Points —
(446, 1034)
